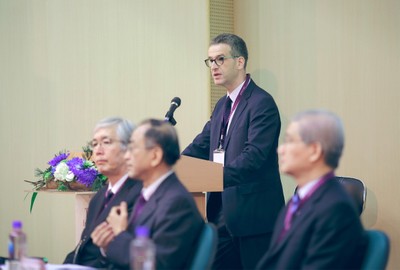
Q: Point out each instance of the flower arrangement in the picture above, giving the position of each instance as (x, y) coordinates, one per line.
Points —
(68, 173)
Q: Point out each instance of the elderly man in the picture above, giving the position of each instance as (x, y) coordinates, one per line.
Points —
(110, 141)
(320, 227)
(165, 207)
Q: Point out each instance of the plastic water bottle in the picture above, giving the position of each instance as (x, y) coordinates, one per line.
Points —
(143, 250)
(17, 242)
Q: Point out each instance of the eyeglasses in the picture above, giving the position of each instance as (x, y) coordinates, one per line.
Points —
(105, 143)
(219, 61)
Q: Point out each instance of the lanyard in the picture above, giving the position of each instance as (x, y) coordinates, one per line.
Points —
(225, 122)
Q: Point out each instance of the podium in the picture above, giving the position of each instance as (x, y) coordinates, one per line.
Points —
(76, 202)
(200, 176)
(197, 175)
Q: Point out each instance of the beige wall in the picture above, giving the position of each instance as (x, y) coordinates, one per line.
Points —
(343, 56)
(66, 64)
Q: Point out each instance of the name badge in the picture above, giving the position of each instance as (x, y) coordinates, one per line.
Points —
(219, 156)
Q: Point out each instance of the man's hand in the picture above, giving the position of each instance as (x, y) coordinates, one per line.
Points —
(118, 218)
(102, 235)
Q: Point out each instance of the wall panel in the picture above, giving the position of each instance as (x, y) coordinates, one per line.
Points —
(342, 56)
(67, 64)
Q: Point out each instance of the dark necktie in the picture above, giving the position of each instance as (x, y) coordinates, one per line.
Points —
(225, 121)
(227, 112)
(139, 204)
(107, 199)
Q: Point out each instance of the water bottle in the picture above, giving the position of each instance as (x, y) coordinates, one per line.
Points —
(17, 242)
(142, 250)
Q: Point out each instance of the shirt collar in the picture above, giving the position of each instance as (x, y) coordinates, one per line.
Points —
(304, 190)
(233, 96)
(149, 191)
(114, 188)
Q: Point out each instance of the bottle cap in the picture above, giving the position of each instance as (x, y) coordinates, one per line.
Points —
(142, 231)
(17, 224)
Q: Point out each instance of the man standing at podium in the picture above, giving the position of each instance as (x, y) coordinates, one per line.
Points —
(243, 135)
(110, 140)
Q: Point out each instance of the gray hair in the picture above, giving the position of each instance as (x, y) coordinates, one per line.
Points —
(122, 126)
(324, 127)
(237, 44)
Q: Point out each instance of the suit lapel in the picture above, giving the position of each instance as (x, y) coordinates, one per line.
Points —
(148, 209)
(300, 218)
(216, 124)
(238, 112)
(151, 206)
(98, 208)
(118, 197)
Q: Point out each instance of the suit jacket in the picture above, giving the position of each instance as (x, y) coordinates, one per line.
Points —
(174, 223)
(326, 233)
(252, 195)
(88, 254)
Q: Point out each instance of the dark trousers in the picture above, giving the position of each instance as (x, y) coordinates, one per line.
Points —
(240, 252)
(237, 252)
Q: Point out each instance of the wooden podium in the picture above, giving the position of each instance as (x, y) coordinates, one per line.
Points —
(200, 176)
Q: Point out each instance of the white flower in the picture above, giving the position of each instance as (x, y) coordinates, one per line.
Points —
(62, 172)
(70, 176)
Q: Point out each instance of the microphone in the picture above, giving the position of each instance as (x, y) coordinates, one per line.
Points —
(169, 116)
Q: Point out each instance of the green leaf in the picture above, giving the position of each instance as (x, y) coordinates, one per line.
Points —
(99, 182)
(33, 198)
(38, 172)
(47, 176)
(87, 151)
(62, 187)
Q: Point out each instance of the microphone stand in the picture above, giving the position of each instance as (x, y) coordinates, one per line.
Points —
(171, 120)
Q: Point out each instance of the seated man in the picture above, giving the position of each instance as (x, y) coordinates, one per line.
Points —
(110, 141)
(169, 212)
(320, 227)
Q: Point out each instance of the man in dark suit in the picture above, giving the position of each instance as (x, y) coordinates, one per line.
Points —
(243, 135)
(320, 227)
(169, 210)
(110, 140)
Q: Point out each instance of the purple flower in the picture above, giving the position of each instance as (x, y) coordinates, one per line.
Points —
(86, 176)
(84, 173)
(54, 162)
(75, 165)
